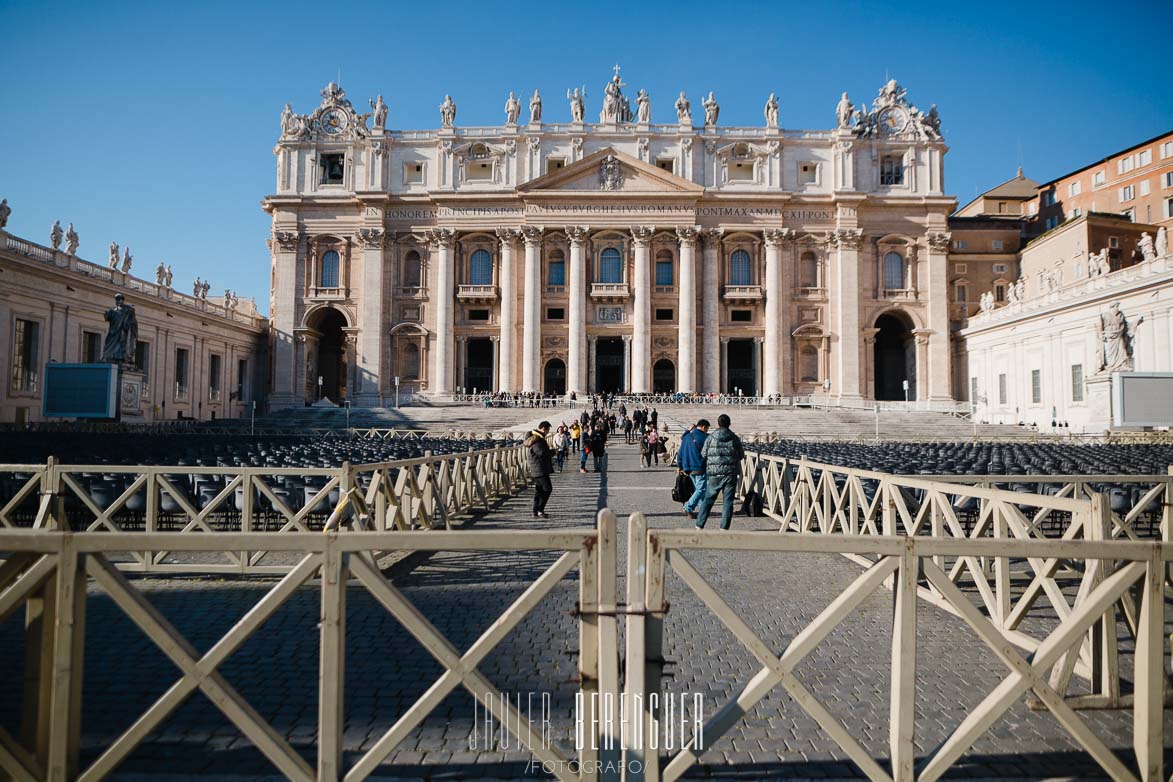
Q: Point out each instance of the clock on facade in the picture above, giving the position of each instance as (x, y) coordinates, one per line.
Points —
(893, 119)
(333, 121)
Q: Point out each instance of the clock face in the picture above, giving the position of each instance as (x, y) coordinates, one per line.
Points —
(893, 120)
(333, 122)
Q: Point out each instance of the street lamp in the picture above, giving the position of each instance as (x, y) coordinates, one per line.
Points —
(397, 392)
(347, 403)
(320, 381)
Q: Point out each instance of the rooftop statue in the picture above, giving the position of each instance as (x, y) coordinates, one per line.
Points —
(55, 234)
(379, 108)
(712, 110)
(615, 105)
(643, 104)
(512, 109)
(71, 240)
(535, 108)
(844, 112)
(683, 110)
(1144, 246)
(577, 107)
(127, 261)
(1162, 242)
(771, 111)
(113, 255)
(5, 211)
(447, 112)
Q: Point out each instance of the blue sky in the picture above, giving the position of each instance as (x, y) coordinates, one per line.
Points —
(152, 124)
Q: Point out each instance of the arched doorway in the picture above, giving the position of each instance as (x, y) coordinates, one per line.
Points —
(329, 323)
(609, 375)
(742, 367)
(554, 378)
(478, 367)
(663, 377)
(895, 357)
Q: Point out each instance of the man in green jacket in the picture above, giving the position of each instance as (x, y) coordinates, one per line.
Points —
(722, 454)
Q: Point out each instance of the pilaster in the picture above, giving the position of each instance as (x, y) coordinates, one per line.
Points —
(939, 387)
(370, 347)
(641, 344)
(440, 241)
(507, 318)
(846, 364)
(686, 317)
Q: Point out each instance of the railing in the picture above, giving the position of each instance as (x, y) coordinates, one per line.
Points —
(476, 292)
(742, 292)
(609, 290)
(56, 569)
(423, 493)
(1111, 572)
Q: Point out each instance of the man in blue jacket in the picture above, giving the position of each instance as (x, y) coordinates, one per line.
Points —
(690, 463)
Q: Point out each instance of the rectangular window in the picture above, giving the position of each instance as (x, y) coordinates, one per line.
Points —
(1144, 187)
(1002, 389)
(91, 347)
(1169, 207)
(963, 293)
(214, 378)
(741, 316)
(1036, 386)
(1097, 179)
(1049, 198)
(666, 314)
(241, 379)
(1144, 157)
(999, 268)
(26, 343)
(181, 370)
(663, 272)
(996, 245)
(1077, 382)
(892, 170)
(556, 274)
(741, 172)
(142, 357)
(333, 166)
(960, 244)
(808, 173)
(479, 172)
(1167, 149)
(555, 313)
(961, 268)
(667, 164)
(478, 314)
(1074, 188)
(1127, 193)
(999, 293)
(413, 173)
(555, 164)
(1114, 242)
(1125, 164)
(1167, 179)
(1077, 212)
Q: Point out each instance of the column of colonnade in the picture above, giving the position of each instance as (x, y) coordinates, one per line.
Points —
(508, 321)
(576, 358)
(641, 321)
(686, 317)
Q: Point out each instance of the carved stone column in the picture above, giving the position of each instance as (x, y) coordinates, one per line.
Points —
(939, 386)
(496, 363)
(869, 361)
(592, 379)
(507, 277)
(461, 358)
(845, 377)
(772, 350)
(757, 364)
(370, 350)
(627, 363)
(724, 365)
(350, 353)
(531, 335)
(287, 364)
(711, 350)
(924, 365)
(576, 353)
(686, 318)
(440, 240)
(641, 321)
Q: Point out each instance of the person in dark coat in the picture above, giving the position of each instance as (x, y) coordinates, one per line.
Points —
(599, 447)
(690, 463)
(722, 454)
(540, 463)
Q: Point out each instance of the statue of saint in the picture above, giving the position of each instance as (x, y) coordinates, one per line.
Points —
(204, 290)
(535, 108)
(577, 104)
(5, 211)
(167, 276)
(1115, 341)
(122, 336)
(127, 261)
(447, 112)
(615, 105)
(1020, 289)
(512, 109)
(287, 120)
(1144, 246)
(683, 110)
(160, 271)
(113, 255)
(55, 234)
(933, 122)
(380, 110)
(643, 107)
(712, 109)
(71, 241)
(771, 111)
(195, 288)
(844, 112)
(1162, 247)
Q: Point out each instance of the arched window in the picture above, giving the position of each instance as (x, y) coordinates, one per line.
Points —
(809, 365)
(411, 361)
(664, 268)
(808, 270)
(411, 270)
(556, 269)
(611, 266)
(894, 271)
(962, 292)
(739, 268)
(480, 268)
(329, 277)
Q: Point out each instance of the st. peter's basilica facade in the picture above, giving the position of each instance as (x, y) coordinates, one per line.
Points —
(620, 255)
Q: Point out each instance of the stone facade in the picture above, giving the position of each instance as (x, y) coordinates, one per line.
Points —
(556, 256)
(200, 357)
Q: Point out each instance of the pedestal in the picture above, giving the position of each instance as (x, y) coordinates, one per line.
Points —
(1099, 402)
(130, 396)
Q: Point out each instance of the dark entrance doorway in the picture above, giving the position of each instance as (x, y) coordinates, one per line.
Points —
(663, 377)
(478, 365)
(331, 356)
(609, 369)
(895, 357)
(554, 380)
(743, 369)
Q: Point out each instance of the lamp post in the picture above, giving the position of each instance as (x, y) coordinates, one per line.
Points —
(397, 392)
(252, 423)
(320, 380)
(347, 403)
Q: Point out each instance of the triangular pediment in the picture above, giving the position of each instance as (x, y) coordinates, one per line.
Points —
(587, 175)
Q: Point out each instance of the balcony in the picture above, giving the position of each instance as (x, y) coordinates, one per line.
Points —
(328, 294)
(481, 293)
(610, 291)
(743, 293)
(899, 294)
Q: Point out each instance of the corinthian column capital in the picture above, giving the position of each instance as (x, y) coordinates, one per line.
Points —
(577, 234)
(938, 241)
(712, 236)
(846, 238)
(440, 237)
(641, 235)
(775, 237)
(532, 234)
(688, 234)
(508, 235)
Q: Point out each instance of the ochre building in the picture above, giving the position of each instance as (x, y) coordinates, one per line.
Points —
(555, 254)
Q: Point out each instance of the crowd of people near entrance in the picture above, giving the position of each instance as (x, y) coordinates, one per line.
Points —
(707, 464)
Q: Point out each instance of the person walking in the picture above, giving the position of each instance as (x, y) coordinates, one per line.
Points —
(654, 446)
(722, 454)
(575, 435)
(541, 466)
(560, 438)
(586, 449)
(599, 448)
(690, 463)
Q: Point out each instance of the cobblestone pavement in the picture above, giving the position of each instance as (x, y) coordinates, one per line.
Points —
(462, 593)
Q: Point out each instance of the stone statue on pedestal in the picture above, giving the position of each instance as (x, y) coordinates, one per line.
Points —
(615, 106)
(1012, 294)
(683, 110)
(771, 111)
(167, 276)
(1162, 247)
(160, 271)
(71, 241)
(535, 108)
(113, 255)
(122, 336)
(196, 286)
(577, 105)
(447, 112)
(712, 110)
(55, 234)
(1020, 289)
(207, 286)
(512, 109)
(127, 261)
(1115, 340)
(5, 211)
(844, 113)
(379, 108)
(643, 114)
(1145, 246)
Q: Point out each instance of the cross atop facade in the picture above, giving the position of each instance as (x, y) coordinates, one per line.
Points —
(616, 69)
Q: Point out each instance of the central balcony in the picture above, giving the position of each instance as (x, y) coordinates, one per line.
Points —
(318, 293)
(477, 293)
(743, 293)
(610, 291)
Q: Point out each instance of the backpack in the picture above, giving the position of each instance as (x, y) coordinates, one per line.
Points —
(682, 489)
